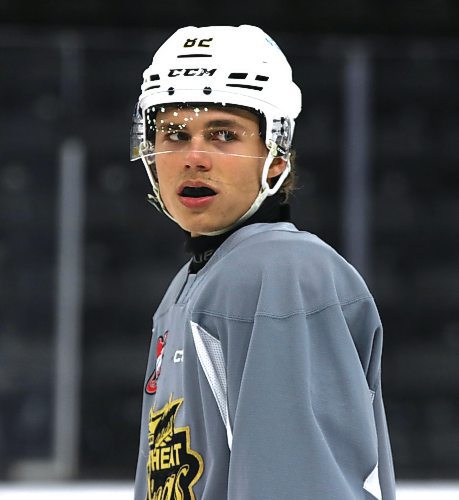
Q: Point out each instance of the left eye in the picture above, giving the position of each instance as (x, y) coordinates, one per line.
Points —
(223, 135)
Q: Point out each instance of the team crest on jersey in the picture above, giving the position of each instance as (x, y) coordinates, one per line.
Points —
(173, 468)
(152, 382)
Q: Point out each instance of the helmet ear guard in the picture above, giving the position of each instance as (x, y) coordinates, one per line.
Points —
(221, 66)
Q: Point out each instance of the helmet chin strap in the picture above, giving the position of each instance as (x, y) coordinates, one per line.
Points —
(265, 191)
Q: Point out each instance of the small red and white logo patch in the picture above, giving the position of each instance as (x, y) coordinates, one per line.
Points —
(152, 382)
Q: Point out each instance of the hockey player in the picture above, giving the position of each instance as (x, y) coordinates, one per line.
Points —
(263, 380)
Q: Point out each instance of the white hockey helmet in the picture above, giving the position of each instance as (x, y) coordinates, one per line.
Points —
(220, 66)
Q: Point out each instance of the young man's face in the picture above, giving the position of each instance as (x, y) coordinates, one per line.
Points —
(210, 175)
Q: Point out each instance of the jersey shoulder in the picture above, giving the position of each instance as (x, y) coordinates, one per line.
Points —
(280, 270)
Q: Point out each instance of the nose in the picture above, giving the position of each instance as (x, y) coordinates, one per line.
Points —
(196, 157)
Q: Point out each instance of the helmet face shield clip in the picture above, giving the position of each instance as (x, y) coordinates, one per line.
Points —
(137, 133)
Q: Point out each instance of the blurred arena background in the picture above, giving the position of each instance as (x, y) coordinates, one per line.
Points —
(84, 260)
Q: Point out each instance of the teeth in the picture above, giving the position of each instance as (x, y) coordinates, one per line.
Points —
(197, 192)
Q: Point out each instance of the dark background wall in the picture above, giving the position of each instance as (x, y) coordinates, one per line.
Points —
(71, 71)
(349, 17)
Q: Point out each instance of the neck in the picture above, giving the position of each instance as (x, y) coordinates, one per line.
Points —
(203, 247)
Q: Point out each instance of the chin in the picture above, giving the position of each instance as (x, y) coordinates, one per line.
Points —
(195, 229)
(200, 229)
(196, 225)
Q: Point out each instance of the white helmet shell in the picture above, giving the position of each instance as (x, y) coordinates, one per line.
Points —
(225, 64)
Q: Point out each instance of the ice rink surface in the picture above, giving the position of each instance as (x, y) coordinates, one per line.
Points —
(124, 491)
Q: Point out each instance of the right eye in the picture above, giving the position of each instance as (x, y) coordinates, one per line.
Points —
(177, 136)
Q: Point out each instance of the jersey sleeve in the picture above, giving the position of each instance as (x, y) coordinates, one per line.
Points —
(295, 397)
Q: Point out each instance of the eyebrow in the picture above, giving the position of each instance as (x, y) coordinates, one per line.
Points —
(215, 123)
(222, 123)
(212, 124)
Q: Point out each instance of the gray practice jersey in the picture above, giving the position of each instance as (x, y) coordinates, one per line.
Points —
(263, 380)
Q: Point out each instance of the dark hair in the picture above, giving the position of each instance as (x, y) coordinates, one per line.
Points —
(289, 185)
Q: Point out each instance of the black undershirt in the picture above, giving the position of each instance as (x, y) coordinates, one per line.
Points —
(203, 247)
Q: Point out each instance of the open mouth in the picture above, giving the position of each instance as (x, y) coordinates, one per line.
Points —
(197, 192)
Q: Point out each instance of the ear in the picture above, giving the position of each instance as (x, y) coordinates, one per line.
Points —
(277, 167)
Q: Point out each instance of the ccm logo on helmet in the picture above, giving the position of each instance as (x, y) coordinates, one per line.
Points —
(192, 72)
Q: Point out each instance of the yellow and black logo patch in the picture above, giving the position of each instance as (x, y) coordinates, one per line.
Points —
(173, 468)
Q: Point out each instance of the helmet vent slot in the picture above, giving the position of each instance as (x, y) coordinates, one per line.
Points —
(194, 55)
(243, 86)
(238, 76)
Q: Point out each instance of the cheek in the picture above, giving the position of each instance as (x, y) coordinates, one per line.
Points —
(248, 177)
(160, 166)
(164, 178)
